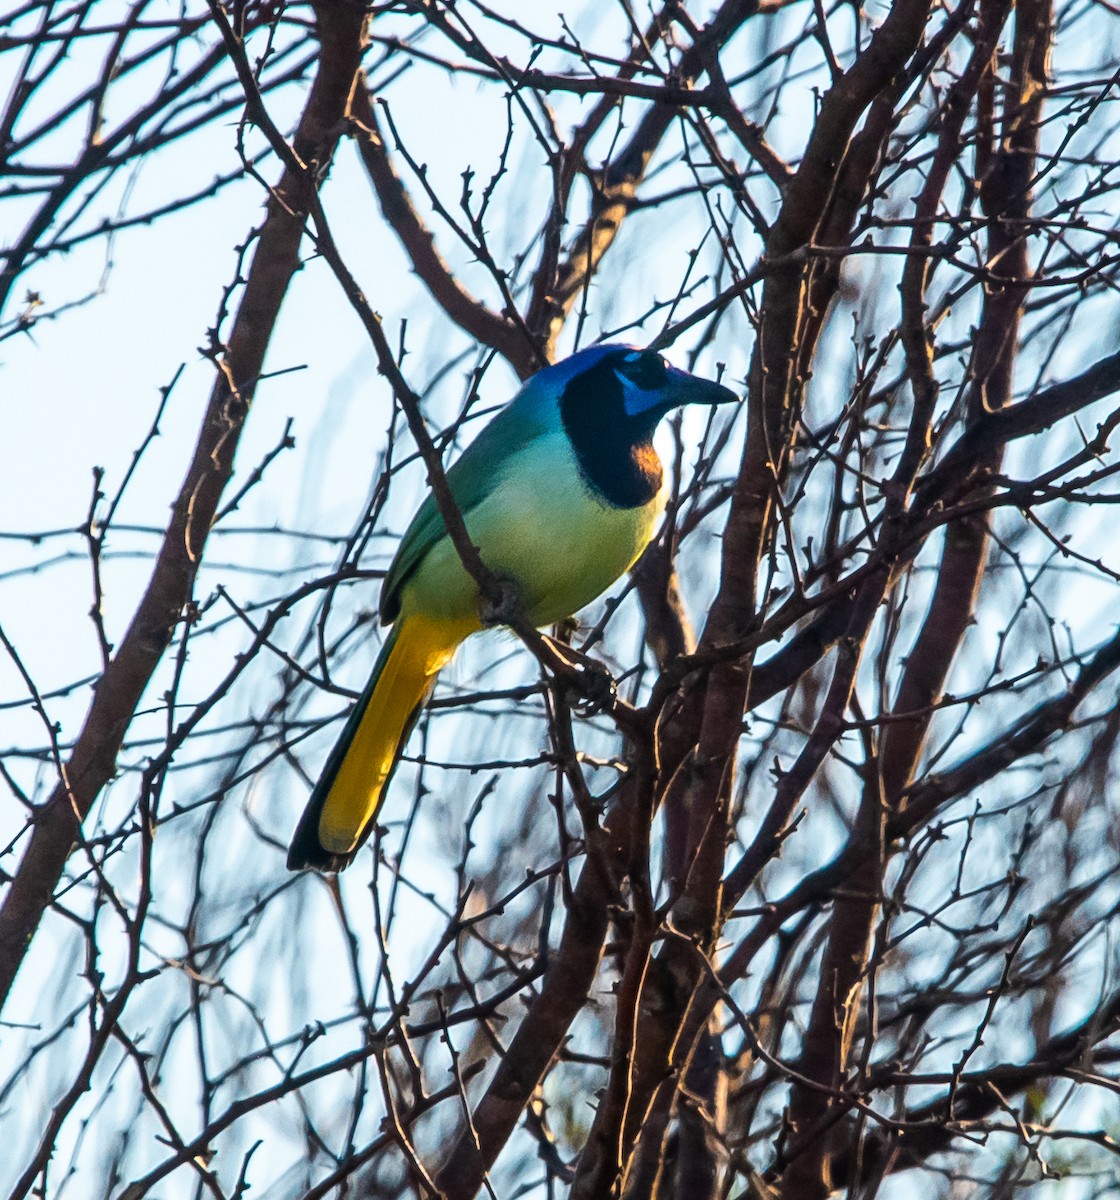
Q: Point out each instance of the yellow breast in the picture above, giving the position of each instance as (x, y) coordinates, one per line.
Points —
(542, 528)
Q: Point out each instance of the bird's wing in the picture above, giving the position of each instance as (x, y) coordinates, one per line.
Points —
(471, 479)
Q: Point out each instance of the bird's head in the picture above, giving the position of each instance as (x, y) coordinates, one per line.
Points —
(608, 400)
(652, 386)
(625, 383)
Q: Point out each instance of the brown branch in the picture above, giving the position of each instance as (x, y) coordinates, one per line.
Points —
(668, 631)
(569, 162)
(677, 1005)
(471, 315)
(775, 397)
(828, 727)
(1027, 418)
(540, 1034)
(827, 1046)
(991, 431)
(927, 796)
(118, 691)
(1006, 197)
(617, 184)
(837, 1003)
(93, 158)
(933, 1127)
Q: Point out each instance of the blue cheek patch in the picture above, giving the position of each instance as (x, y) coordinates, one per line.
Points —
(636, 400)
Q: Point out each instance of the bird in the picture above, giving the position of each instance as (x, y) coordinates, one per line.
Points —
(560, 492)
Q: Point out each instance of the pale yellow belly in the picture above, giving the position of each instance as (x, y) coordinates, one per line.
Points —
(545, 531)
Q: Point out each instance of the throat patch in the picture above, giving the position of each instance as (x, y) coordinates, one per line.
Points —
(614, 451)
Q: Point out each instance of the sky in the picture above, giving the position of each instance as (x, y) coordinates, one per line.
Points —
(81, 392)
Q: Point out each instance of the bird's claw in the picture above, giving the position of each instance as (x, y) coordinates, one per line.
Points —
(505, 609)
(589, 682)
(595, 687)
(586, 679)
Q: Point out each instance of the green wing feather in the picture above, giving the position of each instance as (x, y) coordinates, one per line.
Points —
(471, 477)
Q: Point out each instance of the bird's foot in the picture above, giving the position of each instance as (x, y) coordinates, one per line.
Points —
(591, 682)
(505, 609)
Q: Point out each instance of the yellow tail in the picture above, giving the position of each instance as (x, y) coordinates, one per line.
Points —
(340, 814)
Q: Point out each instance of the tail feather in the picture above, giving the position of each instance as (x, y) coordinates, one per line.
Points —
(340, 814)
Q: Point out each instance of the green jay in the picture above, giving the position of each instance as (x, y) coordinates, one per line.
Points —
(561, 492)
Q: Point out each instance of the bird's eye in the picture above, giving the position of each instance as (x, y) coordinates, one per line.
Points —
(645, 369)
